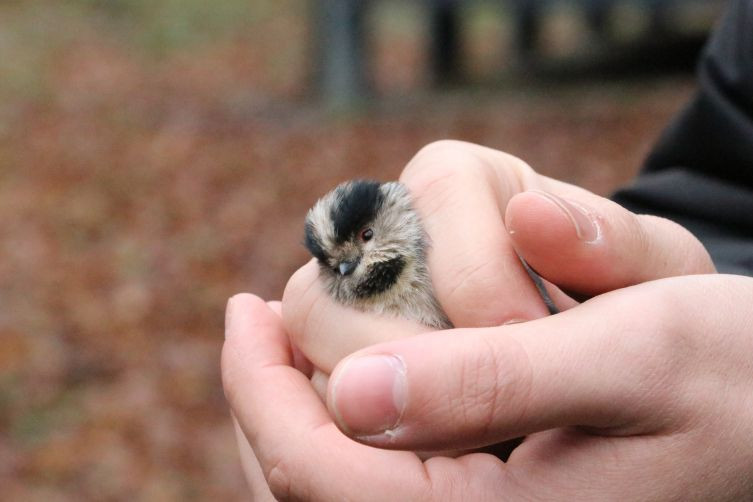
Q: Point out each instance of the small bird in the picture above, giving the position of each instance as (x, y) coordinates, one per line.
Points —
(371, 249)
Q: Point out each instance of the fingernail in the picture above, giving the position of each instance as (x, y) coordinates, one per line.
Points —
(584, 222)
(369, 394)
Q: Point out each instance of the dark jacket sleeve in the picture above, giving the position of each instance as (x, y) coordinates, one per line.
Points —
(700, 173)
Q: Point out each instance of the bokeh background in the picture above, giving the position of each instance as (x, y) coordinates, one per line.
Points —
(157, 156)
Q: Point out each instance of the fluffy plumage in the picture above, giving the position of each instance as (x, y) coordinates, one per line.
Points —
(371, 249)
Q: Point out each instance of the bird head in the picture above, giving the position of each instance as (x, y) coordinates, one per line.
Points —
(365, 236)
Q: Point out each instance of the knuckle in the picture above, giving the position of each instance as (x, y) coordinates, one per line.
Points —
(636, 231)
(696, 258)
(279, 479)
(670, 243)
(480, 392)
(445, 163)
(658, 346)
(437, 150)
(441, 164)
(473, 285)
(490, 380)
(635, 240)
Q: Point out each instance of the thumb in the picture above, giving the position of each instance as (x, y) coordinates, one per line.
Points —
(588, 244)
(468, 388)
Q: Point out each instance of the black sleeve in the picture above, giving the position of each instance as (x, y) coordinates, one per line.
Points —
(700, 174)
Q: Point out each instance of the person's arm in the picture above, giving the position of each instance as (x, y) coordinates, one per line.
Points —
(700, 173)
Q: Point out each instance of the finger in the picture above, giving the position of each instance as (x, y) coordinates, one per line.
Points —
(251, 468)
(561, 300)
(300, 361)
(288, 426)
(596, 365)
(460, 190)
(589, 244)
(319, 381)
(276, 307)
(327, 331)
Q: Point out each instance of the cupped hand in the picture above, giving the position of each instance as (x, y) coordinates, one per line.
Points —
(643, 393)
(483, 208)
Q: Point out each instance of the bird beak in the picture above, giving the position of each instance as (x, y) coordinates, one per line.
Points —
(348, 266)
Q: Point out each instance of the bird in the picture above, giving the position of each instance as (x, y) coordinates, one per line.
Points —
(371, 248)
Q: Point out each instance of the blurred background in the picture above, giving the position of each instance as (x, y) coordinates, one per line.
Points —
(157, 156)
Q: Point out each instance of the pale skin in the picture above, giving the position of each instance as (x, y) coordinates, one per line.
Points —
(643, 392)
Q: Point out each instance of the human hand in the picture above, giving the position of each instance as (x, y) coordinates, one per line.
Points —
(627, 249)
(639, 394)
(478, 207)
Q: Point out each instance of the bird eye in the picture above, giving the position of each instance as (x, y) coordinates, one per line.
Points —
(367, 234)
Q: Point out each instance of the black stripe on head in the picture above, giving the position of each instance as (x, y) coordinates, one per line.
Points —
(313, 244)
(357, 206)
